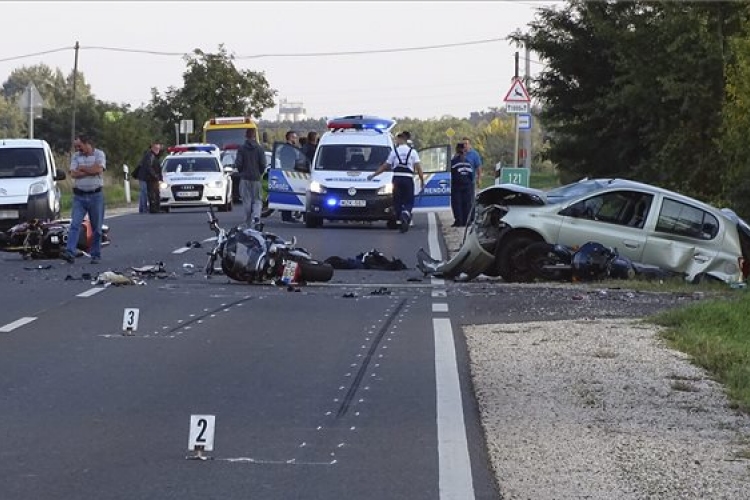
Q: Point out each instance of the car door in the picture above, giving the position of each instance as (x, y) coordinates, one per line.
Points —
(436, 165)
(288, 178)
(685, 238)
(615, 219)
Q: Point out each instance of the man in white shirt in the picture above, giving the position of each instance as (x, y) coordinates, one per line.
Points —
(404, 162)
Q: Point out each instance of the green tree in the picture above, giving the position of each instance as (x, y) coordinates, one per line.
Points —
(12, 123)
(632, 89)
(212, 86)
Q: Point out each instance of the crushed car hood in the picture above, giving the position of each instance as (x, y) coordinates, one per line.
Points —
(511, 194)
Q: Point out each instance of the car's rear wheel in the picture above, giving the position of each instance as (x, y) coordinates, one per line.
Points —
(510, 262)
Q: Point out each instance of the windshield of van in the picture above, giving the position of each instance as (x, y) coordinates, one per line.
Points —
(22, 162)
(351, 157)
(225, 137)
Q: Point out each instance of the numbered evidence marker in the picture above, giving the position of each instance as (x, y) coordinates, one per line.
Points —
(201, 435)
(130, 321)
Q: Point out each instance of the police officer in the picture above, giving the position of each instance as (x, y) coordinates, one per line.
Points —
(403, 161)
(462, 182)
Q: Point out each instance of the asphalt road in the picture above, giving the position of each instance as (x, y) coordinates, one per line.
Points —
(357, 388)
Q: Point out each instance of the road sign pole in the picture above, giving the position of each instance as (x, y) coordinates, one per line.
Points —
(515, 162)
(31, 114)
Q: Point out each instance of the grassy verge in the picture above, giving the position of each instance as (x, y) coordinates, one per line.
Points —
(715, 334)
(114, 196)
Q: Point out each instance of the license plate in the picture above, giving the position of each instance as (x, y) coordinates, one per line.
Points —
(289, 275)
(352, 203)
(8, 214)
(186, 194)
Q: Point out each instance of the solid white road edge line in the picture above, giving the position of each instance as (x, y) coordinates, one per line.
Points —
(16, 324)
(454, 463)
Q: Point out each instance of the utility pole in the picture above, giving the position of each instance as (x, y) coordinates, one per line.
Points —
(515, 115)
(527, 133)
(73, 114)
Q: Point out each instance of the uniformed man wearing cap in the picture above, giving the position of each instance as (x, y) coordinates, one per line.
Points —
(404, 162)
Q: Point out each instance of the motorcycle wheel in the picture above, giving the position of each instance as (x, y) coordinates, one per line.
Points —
(314, 271)
(544, 264)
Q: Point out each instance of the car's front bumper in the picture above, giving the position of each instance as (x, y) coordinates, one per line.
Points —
(338, 204)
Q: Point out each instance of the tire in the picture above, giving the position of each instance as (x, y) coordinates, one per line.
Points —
(313, 221)
(313, 270)
(222, 207)
(391, 224)
(165, 210)
(540, 259)
(510, 262)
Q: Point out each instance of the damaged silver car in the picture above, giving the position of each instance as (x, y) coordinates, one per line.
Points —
(643, 223)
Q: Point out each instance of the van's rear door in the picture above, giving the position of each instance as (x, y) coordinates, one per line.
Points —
(436, 165)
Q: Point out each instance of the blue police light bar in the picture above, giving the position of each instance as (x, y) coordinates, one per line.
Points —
(331, 202)
(361, 122)
(183, 149)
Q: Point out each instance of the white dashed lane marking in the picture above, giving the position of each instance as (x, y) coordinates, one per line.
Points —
(16, 324)
(90, 292)
(440, 307)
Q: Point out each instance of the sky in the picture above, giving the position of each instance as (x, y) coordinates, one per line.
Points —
(277, 38)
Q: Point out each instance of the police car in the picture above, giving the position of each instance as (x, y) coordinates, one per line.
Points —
(337, 188)
(193, 176)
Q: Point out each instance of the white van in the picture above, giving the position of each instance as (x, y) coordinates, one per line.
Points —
(337, 188)
(28, 182)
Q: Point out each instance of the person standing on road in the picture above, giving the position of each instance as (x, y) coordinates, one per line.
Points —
(290, 159)
(462, 182)
(310, 146)
(250, 163)
(476, 161)
(404, 162)
(148, 173)
(87, 171)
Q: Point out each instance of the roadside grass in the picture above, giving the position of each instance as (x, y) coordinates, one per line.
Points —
(114, 195)
(669, 285)
(715, 335)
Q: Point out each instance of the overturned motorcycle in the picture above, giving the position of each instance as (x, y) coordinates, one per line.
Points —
(255, 256)
(47, 239)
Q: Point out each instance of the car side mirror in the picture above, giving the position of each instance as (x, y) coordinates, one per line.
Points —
(60, 175)
(228, 169)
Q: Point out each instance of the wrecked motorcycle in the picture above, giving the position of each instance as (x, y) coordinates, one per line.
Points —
(255, 256)
(47, 239)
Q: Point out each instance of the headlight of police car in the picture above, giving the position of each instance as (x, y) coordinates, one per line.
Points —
(215, 184)
(37, 188)
(163, 185)
(316, 187)
(387, 189)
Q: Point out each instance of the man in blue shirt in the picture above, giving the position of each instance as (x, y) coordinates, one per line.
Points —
(476, 161)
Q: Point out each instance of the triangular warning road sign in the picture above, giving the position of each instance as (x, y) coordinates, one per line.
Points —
(517, 93)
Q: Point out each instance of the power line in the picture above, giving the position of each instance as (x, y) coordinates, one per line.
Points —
(259, 56)
(36, 54)
(374, 51)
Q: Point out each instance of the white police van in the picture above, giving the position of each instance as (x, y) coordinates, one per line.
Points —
(337, 188)
(193, 176)
(28, 182)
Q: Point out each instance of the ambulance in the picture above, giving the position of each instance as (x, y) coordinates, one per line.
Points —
(334, 186)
